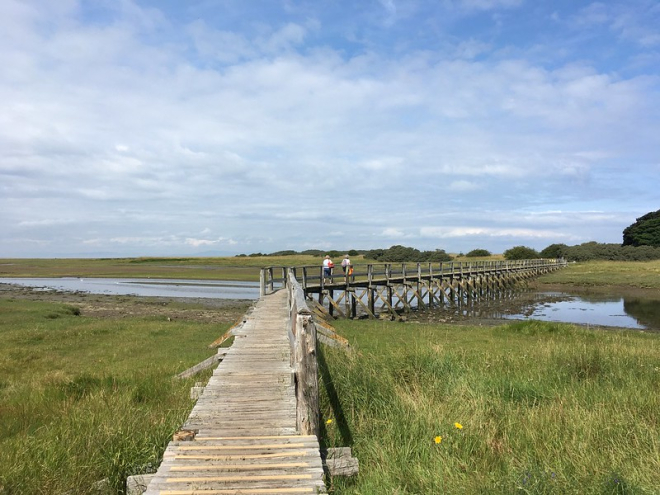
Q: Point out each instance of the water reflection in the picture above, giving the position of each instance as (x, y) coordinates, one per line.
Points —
(208, 289)
(587, 309)
(647, 311)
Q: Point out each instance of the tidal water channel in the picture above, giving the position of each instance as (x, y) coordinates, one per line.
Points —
(209, 289)
(611, 309)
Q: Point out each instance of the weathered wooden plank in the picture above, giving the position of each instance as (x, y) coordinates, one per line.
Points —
(207, 363)
(246, 440)
(254, 491)
(241, 467)
(282, 438)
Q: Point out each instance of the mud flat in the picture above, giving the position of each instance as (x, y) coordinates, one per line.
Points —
(113, 306)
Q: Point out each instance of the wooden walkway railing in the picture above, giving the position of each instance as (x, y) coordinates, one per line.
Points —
(399, 287)
(311, 277)
(248, 432)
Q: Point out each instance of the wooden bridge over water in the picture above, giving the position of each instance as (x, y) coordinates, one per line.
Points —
(254, 429)
(395, 288)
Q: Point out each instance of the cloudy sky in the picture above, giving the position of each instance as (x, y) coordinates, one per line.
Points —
(201, 127)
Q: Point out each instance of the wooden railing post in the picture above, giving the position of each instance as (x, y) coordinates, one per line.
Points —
(307, 392)
(302, 333)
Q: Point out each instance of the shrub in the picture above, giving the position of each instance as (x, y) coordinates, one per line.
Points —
(478, 253)
(520, 253)
(554, 251)
(590, 251)
(287, 252)
(400, 254)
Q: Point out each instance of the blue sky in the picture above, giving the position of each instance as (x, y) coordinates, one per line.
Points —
(162, 127)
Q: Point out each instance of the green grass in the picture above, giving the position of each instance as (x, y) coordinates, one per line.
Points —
(84, 399)
(545, 408)
(639, 274)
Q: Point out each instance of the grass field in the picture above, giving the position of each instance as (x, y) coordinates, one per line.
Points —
(85, 399)
(526, 407)
(638, 274)
(542, 407)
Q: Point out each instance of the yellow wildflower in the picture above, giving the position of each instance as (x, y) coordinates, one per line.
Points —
(328, 422)
(458, 426)
(437, 439)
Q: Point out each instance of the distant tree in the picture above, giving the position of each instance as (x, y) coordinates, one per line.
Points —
(353, 252)
(478, 253)
(288, 252)
(374, 254)
(520, 253)
(435, 256)
(554, 251)
(401, 254)
(644, 232)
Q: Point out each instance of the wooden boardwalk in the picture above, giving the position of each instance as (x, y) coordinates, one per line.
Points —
(246, 441)
(394, 288)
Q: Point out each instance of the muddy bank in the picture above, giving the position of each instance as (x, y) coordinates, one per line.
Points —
(107, 306)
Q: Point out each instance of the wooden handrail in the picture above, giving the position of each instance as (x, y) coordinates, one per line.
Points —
(302, 338)
(312, 275)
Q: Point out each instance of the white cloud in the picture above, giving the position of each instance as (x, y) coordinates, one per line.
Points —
(289, 127)
(449, 232)
(208, 242)
(394, 233)
(390, 11)
(634, 21)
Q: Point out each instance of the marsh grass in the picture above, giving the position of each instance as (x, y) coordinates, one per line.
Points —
(84, 399)
(544, 408)
(638, 274)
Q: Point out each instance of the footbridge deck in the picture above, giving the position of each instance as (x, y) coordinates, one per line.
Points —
(245, 433)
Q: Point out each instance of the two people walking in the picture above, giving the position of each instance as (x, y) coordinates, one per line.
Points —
(328, 267)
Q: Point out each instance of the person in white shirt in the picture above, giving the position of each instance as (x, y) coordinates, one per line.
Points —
(328, 265)
(345, 263)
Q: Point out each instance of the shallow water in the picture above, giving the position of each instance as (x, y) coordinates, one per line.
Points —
(210, 289)
(608, 311)
(614, 310)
